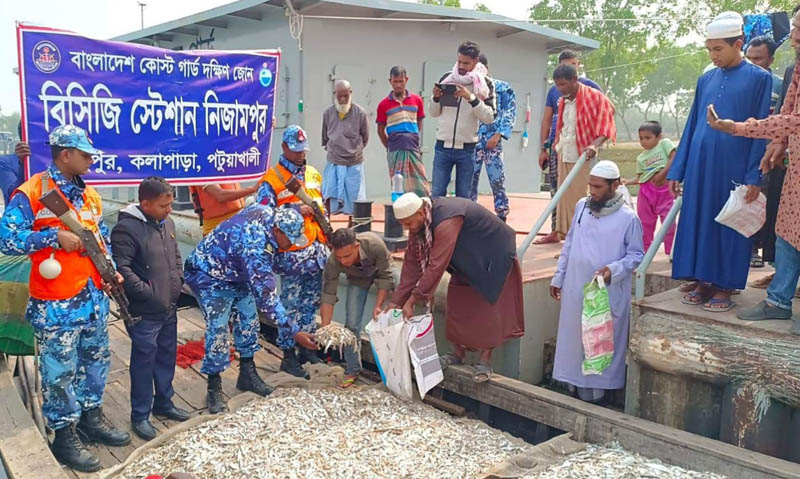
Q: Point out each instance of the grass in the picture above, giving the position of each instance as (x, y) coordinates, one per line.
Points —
(624, 155)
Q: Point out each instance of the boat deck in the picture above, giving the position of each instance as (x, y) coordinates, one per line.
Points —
(189, 384)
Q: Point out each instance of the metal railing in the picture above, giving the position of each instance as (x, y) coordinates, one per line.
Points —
(641, 271)
(562, 189)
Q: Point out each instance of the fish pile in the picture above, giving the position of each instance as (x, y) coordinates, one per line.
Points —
(327, 433)
(337, 336)
(613, 462)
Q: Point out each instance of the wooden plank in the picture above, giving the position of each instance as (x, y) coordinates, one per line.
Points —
(604, 425)
(24, 451)
(446, 406)
(190, 387)
(718, 353)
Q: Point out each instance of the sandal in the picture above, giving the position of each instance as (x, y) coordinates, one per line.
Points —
(719, 305)
(483, 373)
(450, 359)
(694, 298)
(756, 262)
(348, 381)
(688, 287)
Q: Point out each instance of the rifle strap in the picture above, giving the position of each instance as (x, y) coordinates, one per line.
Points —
(45, 182)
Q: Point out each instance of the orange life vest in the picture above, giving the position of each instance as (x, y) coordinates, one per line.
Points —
(277, 178)
(213, 208)
(76, 269)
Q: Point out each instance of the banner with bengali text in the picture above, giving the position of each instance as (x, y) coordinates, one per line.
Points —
(193, 117)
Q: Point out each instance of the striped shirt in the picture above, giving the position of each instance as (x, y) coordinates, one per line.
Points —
(401, 121)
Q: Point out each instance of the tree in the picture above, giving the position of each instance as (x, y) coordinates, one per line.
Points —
(443, 3)
(9, 122)
(482, 8)
(621, 43)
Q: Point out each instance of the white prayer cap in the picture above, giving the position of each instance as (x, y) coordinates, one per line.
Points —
(606, 169)
(406, 205)
(725, 25)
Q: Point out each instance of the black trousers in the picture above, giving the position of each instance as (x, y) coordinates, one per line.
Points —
(153, 347)
(765, 238)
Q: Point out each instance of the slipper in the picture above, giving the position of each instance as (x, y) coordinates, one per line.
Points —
(725, 305)
(483, 373)
(688, 287)
(694, 298)
(756, 263)
(450, 359)
(348, 381)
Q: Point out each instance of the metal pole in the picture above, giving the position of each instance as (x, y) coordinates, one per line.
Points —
(641, 271)
(550, 207)
(141, 8)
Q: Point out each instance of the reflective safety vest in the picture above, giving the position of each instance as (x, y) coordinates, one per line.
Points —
(212, 208)
(76, 269)
(277, 178)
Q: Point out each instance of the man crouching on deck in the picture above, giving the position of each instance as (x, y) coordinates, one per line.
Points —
(233, 267)
(484, 297)
(605, 239)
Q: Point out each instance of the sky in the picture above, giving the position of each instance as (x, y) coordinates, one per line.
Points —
(109, 18)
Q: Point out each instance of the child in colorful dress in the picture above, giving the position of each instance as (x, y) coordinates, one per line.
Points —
(652, 165)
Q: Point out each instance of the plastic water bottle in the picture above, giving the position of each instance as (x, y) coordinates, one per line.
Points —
(397, 186)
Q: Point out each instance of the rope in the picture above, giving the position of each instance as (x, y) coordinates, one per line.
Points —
(295, 24)
(644, 61)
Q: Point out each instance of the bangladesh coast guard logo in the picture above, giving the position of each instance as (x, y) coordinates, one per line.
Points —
(46, 57)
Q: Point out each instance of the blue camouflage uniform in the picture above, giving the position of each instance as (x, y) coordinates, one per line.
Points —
(503, 124)
(72, 334)
(233, 266)
(300, 270)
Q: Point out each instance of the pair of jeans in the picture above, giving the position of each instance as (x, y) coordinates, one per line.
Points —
(354, 316)
(444, 160)
(153, 347)
(787, 272)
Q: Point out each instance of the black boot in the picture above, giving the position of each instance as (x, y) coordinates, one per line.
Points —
(215, 400)
(69, 450)
(93, 427)
(305, 355)
(291, 365)
(249, 380)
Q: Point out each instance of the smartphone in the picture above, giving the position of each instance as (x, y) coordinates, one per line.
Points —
(713, 112)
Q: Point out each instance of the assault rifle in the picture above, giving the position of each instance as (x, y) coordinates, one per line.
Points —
(296, 187)
(92, 246)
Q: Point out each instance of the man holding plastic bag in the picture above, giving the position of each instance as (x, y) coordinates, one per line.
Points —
(593, 283)
(484, 297)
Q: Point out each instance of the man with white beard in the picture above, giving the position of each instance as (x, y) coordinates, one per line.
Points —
(345, 132)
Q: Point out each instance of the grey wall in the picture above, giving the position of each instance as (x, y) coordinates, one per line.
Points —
(362, 52)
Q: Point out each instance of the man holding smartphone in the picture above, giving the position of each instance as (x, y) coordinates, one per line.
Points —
(459, 115)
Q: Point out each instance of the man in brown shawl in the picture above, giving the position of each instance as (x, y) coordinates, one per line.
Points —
(484, 297)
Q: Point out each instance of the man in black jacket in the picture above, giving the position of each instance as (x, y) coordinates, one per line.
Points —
(147, 256)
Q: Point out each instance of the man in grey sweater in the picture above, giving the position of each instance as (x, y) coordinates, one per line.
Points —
(345, 133)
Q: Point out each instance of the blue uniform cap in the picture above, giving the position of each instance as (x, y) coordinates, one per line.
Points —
(71, 136)
(295, 138)
(291, 223)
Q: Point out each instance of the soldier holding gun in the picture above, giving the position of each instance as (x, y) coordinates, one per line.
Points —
(68, 307)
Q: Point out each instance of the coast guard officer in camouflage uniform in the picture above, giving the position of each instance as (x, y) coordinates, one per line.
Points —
(67, 308)
(233, 266)
(489, 149)
(300, 267)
